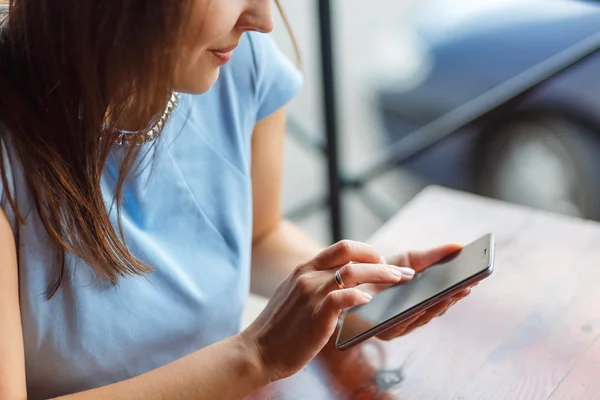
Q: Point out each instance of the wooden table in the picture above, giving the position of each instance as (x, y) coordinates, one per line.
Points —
(530, 331)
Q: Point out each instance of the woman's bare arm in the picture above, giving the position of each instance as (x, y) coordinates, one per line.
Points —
(229, 369)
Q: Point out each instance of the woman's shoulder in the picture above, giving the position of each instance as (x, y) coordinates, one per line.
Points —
(262, 71)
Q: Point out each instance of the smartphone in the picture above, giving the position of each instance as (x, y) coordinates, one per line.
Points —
(473, 263)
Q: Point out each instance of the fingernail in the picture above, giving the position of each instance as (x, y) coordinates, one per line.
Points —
(407, 271)
(396, 272)
(368, 296)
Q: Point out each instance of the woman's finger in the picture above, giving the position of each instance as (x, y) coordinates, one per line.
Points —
(399, 329)
(442, 312)
(424, 320)
(424, 317)
(339, 300)
(345, 252)
(352, 275)
(436, 310)
(453, 299)
(428, 315)
(421, 259)
(419, 320)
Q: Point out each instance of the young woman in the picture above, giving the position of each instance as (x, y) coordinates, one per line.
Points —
(141, 152)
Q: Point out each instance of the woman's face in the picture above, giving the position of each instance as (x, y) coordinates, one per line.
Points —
(215, 28)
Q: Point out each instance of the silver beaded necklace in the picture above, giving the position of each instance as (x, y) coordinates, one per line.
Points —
(138, 138)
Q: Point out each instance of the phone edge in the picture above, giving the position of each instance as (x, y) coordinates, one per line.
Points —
(396, 320)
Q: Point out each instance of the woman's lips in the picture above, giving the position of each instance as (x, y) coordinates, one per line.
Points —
(223, 55)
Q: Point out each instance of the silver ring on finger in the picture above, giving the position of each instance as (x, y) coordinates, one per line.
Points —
(338, 280)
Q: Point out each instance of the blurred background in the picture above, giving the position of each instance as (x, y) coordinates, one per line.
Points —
(496, 97)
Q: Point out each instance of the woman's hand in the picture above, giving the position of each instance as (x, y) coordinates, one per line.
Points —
(418, 261)
(302, 314)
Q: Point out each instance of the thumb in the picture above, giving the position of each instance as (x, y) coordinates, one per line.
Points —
(421, 259)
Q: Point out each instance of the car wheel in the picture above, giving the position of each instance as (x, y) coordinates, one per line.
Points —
(546, 162)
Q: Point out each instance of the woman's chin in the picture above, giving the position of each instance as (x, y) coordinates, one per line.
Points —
(200, 84)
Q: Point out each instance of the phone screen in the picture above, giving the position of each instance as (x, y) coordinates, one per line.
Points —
(448, 273)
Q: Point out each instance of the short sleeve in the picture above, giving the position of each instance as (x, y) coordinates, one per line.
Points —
(277, 79)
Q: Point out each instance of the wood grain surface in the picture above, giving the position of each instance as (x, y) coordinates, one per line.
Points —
(530, 331)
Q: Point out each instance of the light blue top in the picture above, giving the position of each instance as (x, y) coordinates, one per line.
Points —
(188, 214)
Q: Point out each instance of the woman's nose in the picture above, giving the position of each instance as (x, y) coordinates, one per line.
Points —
(258, 16)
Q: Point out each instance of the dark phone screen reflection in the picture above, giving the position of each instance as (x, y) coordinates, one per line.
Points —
(444, 275)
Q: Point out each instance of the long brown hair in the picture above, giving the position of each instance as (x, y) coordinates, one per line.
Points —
(67, 67)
